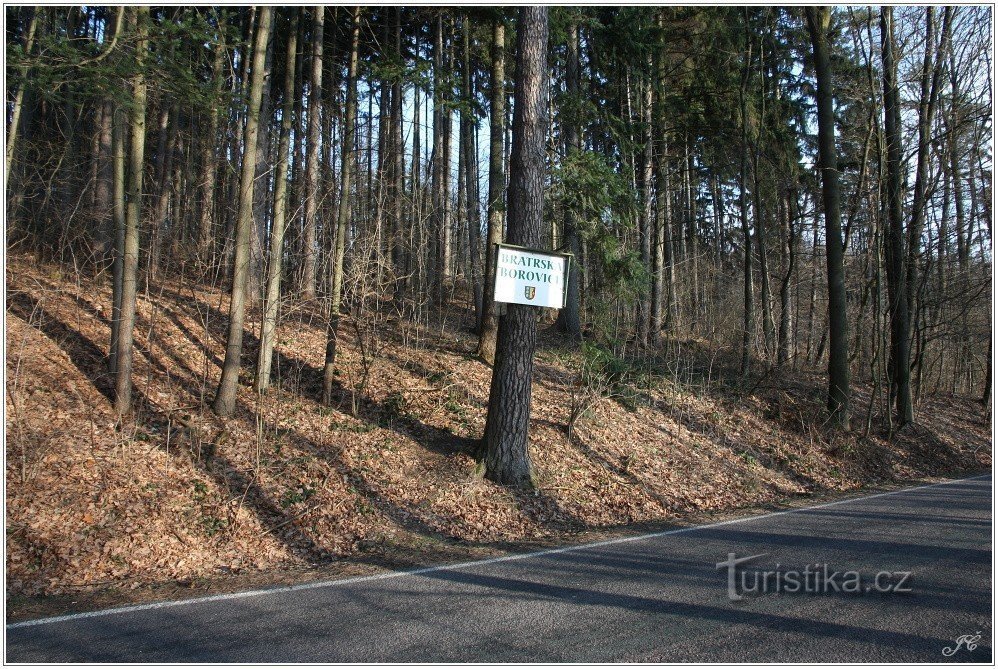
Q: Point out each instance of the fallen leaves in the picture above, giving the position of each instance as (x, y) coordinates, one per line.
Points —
(289, 483)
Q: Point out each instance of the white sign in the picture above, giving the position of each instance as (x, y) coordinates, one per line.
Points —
(535, 278)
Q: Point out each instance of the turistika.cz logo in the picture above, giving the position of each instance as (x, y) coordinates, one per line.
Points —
(814, 579)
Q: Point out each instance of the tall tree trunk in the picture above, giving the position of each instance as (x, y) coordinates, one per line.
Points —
(664, 281)
(133, 217)
(471, 175)
(118, 216)
(397, 169)
(261, 190)
(748, 313)
(209, 156)
(789, 266)
(497, 187)
(165, 185)
(104, 223)
(895, 255)
(225, 397)
(506, 458)
(268, 330)
(343, 214)
(438, 160)
(648, 205)
(926, 113)
(838, 335)
(15, 118)
(569, 319)
(310, 252)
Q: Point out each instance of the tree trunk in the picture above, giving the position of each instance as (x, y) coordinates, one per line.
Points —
(310, 252)
(104, 223)
(497, 187)
(506, 458)
(748, 319)
(790, 254)
(838, 337)
(261, 190)
(569, 319)
(225, 398)
(118, 216)
(647, 210)
(397, 170)
(268, 330)
(343, 215)
(471, 177)
(926, 113)
(133, 217)
(209, 158)
(164, 183)
(896, 290)
(29, 40)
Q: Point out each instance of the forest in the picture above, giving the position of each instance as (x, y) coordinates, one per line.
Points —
(223, 219)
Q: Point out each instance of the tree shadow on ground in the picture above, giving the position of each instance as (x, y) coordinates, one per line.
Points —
(90, 360)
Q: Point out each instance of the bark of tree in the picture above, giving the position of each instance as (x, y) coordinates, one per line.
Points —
(209, 158)
(929, 84)
(268, 330)
(748, 314)
(397, 170)
(133, 217)
(506, 457)
(225, 397)
(569, 319)
(15, 118)
(261, 190)
(471, 176)
(497, 188)
(647, 208)
(895, 254)
(104, 224)
(164, 182)
(789, 266)
(343, 214)
(437, 158)
(313, 140)
(118, 216)
(838, 335)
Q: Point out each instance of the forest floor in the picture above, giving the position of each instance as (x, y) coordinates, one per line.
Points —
(179, 502)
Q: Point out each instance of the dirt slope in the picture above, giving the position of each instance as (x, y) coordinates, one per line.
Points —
(180, 495)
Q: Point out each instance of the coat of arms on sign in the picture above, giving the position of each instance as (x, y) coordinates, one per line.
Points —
(529, 292)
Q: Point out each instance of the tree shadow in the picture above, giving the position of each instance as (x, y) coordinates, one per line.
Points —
(90, 360)
(620, 469)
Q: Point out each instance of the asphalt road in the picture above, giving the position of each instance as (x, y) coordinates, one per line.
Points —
(659, 598)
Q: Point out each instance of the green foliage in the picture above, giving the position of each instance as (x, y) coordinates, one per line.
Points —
(604, 207)
(395, 406)
(297, 495)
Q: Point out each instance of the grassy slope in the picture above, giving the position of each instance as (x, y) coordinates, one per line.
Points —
(181, 495)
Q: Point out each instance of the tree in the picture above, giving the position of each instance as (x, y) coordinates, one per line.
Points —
(470, 183)
(313, 140)
(225, 397)
(748, 313)
(342, 215)
(268, 331)
(497, 188)
(818, 19)
(897, 293)
(12, 130)
(129, 249)
(569, 320)
(506, 458)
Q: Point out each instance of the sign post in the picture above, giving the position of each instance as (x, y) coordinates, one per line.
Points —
(530, 276)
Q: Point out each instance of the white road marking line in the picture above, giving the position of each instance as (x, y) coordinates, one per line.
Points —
(461, 565)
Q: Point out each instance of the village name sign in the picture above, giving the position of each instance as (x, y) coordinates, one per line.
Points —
(531, 277)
